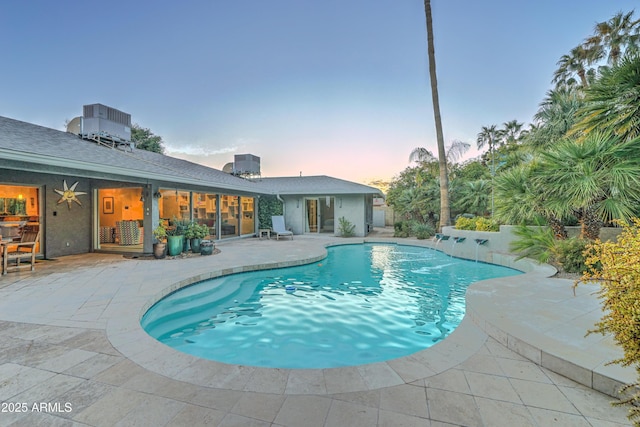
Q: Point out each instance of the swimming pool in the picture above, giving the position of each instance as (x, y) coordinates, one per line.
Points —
(362, 304)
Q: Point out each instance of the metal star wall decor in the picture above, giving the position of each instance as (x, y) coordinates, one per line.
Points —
(69, 194)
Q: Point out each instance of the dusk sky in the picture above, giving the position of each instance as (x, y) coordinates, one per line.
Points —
(318, 87)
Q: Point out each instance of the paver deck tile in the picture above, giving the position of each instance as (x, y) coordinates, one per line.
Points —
(70, 333)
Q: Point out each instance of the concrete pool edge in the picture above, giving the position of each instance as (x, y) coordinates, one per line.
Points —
(133, 342)
(126, 335)
(584, 361)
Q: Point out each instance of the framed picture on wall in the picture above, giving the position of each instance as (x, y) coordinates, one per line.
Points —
(107, 205)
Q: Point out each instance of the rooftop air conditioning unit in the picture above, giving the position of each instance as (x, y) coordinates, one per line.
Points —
(100, 121)
(246, 165)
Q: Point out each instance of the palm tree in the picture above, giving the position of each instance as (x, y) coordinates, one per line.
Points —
(474, 197)
(555, 117)
(576, 62)
(613, 37)
(454, 151)
(519, 200)
(445, 209)
(596, 179)
(421, 155)
(511, 132)
(612, 101)
(489, 136)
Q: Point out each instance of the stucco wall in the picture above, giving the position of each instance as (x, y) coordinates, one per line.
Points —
(352, 207)
(294, 214)
(497, 242)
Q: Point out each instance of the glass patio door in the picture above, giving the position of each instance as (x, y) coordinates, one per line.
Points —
(312, 216)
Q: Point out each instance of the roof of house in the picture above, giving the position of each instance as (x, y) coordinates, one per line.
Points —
(319, 185)
(26, 142)
(59, 152)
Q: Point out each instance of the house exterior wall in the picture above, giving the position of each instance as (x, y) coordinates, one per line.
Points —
(353, 207)
(294, 213)
(70, 231)
(64, 231)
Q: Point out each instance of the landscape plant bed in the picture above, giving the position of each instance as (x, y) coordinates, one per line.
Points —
(183, 255)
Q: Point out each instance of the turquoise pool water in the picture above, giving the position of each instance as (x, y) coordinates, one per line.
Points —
(362, 304)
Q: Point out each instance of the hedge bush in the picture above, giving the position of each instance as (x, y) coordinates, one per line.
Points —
(616, 266)
(477, 223)
(422, 231)
(569, 253)
(464, 223)
(402, 228)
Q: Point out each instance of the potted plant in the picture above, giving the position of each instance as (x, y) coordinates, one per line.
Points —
(160, 246)
(175, 238)
(197, 232)
(206, 247)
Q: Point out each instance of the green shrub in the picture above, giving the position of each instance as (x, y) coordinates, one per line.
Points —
(616, 266)
(422, 231)
(477, 223)
(540, 244)
(268, 206)
(569, 254)
(345, 227)
(402, 229)
(486, 224)
(537, 243)
(464, 223)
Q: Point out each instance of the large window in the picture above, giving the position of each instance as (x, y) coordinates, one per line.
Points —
(175, 204)
(229, 213)
(237, 214)
(205, 210)
(247, 215)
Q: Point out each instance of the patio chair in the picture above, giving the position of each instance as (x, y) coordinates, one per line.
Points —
(25, 248)
(278, 227)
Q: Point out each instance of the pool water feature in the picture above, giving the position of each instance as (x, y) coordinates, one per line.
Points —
(362, 304)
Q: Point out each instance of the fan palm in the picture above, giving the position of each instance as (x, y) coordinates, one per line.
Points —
(520, 200)
(612, 102)
(555, 117)
(613, 37)
(511, 131)
(577, 62)
(453, 152)
(597, 179)
(474, 197)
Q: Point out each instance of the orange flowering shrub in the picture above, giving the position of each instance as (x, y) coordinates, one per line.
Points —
(616, 266)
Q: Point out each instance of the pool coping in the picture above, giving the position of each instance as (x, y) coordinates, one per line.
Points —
(127, 336)
(586, 361)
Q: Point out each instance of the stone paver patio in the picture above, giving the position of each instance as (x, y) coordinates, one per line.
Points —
(71, 343)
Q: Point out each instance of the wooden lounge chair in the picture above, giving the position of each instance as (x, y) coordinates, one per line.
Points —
(278, 227)
(25, 248)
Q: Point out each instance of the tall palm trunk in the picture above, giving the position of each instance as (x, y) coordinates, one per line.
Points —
(559, 230)
(445, 210)
(590, 224)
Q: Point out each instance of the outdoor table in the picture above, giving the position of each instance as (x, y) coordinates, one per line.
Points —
(264, 231)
